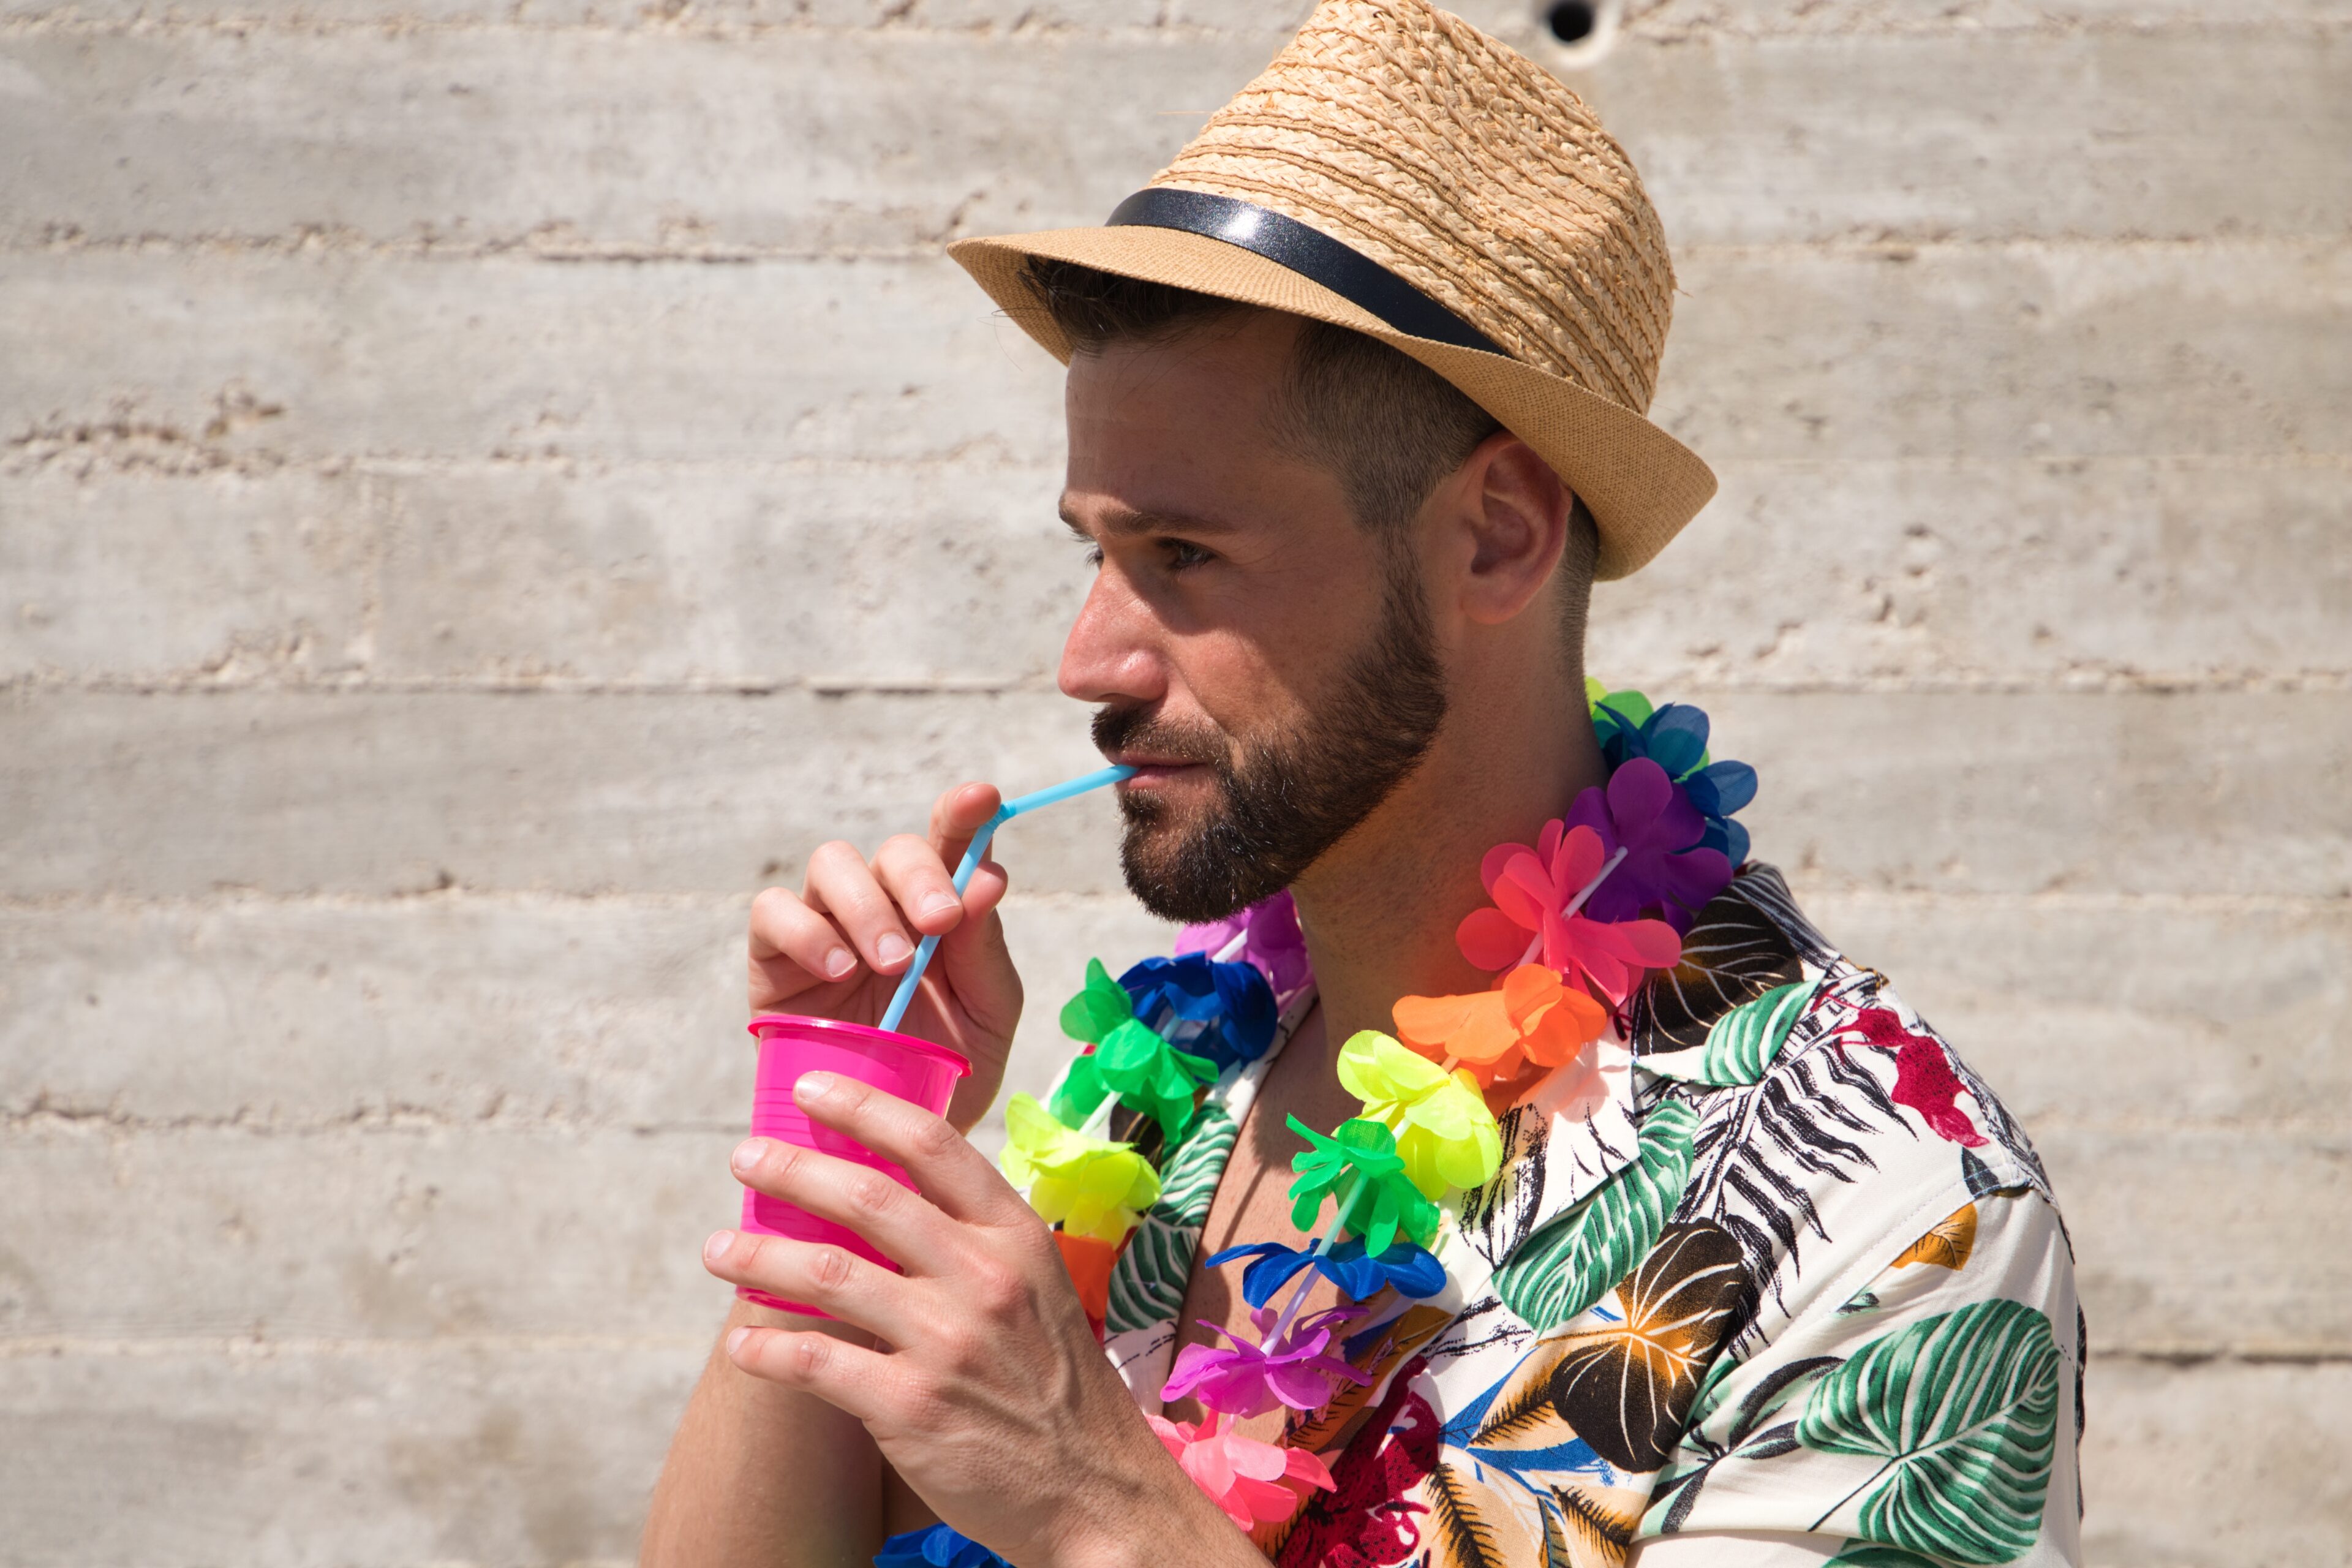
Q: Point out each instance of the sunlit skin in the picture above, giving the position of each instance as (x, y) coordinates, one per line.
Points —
(1230, 585)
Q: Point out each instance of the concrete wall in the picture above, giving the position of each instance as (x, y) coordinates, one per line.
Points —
(484, 484)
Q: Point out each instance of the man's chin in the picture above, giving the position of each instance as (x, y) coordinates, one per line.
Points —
(1174, 876)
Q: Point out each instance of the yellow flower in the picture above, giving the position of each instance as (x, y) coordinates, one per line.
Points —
(1444, 1130)
(1093, 1186)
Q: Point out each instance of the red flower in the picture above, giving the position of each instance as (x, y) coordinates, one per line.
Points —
(1366, 1521)
(1923, 1079)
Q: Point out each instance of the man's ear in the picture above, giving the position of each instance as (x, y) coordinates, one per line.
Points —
(1516, 512)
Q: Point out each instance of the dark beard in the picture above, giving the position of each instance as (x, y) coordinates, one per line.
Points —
(1290, 796)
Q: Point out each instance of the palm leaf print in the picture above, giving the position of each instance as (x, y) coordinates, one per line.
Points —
(1320, 1431)
(1735, 951)
(1764, 887)
(1755, 1148)
(1998, 1124)
(1947, 1244)
(1742, 1042)
(1590, 1531)
(1556, 1547)
(1572, 1262)
(1676, 1491)
(1626, 1388)
(1468, 1524)
(1962, 1409)
(1147, 1283)
(1863, 1554)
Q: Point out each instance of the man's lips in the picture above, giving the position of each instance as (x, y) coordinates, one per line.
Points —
(1151, 771)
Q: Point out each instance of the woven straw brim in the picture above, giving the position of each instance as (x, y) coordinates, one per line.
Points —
(1640, 483)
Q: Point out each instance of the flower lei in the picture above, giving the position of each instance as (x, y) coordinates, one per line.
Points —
(1575, 920)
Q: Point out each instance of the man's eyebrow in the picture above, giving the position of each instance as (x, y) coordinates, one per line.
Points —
(1123, 522)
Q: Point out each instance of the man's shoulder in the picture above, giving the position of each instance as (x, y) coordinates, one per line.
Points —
(1825, 1120)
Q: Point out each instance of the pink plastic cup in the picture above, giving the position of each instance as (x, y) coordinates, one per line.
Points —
(915, 1070)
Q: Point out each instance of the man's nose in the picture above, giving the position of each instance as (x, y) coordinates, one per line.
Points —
(1112, 654)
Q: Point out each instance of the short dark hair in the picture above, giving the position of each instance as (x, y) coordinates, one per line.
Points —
(1387, 424)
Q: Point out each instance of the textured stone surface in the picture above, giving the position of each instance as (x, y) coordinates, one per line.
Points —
(2105, 1013)
(386, 1455)
(578, 141)
(486, 1449)
(485, 487)
(2026, 350)
(446, 1010)
(399, 1231)
(304, 792)
(2186, 1465)
(2118, 573)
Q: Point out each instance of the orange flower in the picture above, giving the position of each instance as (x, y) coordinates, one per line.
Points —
(1532, 1016)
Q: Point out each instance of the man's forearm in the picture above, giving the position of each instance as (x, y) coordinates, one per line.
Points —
(762, 1476)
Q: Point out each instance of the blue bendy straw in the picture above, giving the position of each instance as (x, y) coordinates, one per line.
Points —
(1005, 814)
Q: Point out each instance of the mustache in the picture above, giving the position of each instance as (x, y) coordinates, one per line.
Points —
(1140, 729)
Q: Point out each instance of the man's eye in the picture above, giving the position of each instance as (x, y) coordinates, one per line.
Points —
(1095, 556)
(1183, 554)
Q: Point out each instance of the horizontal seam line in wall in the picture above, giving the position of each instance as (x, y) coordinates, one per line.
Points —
(247, 1346)
(2287, 1133)
(394, 27)
(2090, 684)
(2315, 1355)
(466, 900)
(324, 244)
(154, 451)
(485, 899)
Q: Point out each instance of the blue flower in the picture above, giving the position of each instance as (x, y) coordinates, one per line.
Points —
(1675, 737)
(937, 1547)
(1221, 1011)
(1414, 1271)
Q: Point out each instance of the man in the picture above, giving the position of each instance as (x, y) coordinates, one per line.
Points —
(1754, 1272)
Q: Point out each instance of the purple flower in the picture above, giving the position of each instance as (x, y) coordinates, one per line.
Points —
(1271, 940)
(1650, 817)
(1246, 1379)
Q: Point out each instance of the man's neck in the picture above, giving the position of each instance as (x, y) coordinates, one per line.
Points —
(1380, 908)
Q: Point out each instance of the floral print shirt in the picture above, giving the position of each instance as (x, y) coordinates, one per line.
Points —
(1772, 1280)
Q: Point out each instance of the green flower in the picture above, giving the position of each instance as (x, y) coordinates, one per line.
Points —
(1360, 1167)
(1149, 1075)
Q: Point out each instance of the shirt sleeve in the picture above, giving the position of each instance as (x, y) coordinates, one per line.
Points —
(1924, 1410)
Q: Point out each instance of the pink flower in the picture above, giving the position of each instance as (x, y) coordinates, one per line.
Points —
(1249, 1379)
(1532, 888)
(1270, 938)
(1256, 1483)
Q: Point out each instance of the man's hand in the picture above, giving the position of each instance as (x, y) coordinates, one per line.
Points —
(835, 948)
(987, 1392)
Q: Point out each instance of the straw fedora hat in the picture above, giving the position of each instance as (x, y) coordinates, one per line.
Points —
(1397, 172)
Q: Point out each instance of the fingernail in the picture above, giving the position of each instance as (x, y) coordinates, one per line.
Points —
(938, 904)
(746, 1158)
(814, 1086)
(716, 1247)
(735, 1338)
(892, 948)
(839, 962)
